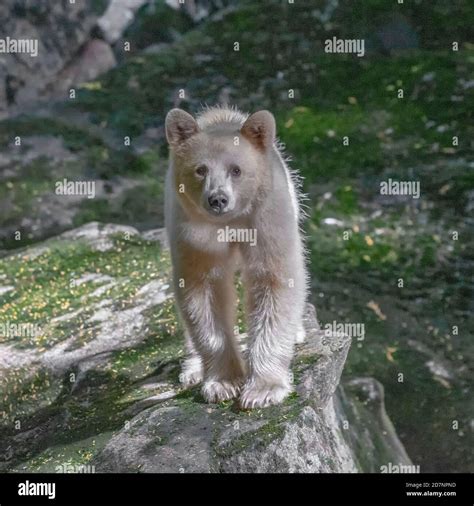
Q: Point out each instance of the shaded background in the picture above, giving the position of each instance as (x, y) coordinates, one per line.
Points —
(126, 93)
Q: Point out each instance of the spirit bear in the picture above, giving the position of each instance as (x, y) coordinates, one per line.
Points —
(226, 173)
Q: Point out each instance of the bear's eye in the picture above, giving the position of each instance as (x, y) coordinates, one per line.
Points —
(201, 170)
(235, 170)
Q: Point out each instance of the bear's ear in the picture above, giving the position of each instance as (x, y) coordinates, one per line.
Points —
(260, 129)
(179, 126)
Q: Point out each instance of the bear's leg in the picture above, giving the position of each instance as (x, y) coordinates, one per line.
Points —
(300, 334)
(274, 310)
(207, 304)
(192, 371)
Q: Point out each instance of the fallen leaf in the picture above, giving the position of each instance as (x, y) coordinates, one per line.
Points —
(389, 353)
(376, 309)
(444, 189)
(443, 382)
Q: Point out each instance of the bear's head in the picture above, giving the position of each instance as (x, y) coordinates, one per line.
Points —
(221, 170)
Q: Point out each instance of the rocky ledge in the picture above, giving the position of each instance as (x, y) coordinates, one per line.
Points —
(322, 427)
(97, 382)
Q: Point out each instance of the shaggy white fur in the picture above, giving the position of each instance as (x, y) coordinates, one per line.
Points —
(227, 170)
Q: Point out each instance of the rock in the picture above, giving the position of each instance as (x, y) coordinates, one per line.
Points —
(97, 235)
(157, 24)
(96, 58)
(77, 351)
(117, 17)
(376, 443)
(306, 434)
(156, 234)
(105, 374)
(61, 29)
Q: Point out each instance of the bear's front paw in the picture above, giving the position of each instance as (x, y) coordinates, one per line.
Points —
(191, 373)
(216, 391)
(256, 395)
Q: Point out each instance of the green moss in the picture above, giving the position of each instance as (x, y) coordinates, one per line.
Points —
(163, 346)
(77, 455)
(22, 394)
(154, 23)
(45, 286)
(190, 397)
(21, 195)
(274, 419)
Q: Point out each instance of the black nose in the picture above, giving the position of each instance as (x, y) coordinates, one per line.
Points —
(218, 202)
